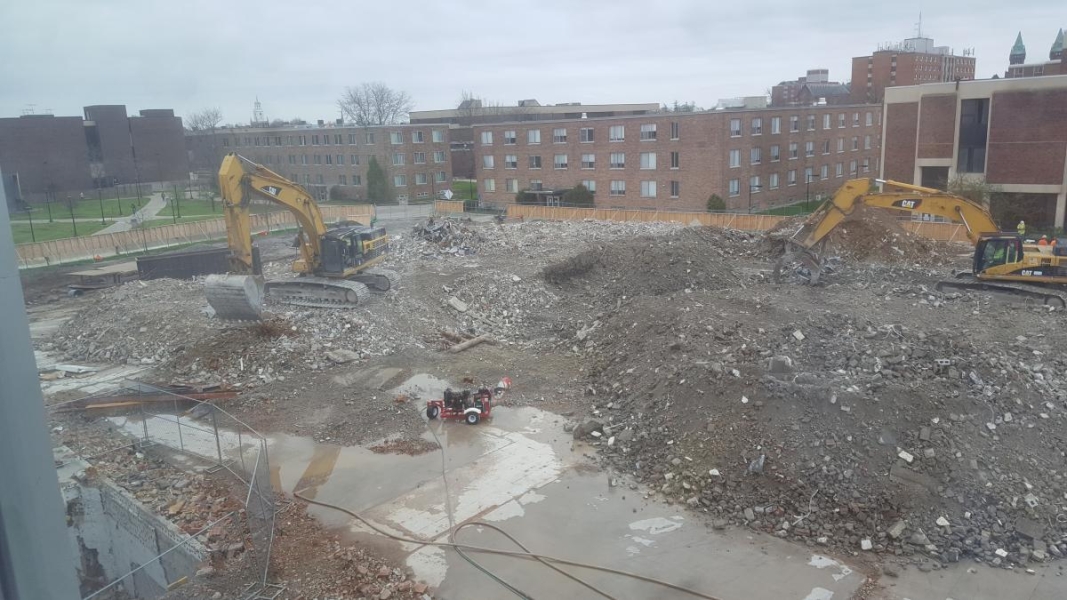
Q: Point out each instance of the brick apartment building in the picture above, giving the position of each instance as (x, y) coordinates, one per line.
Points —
(325, 157)
(1018, 67)
(675, 161)
(912, 62)
(1011, 132)
(471, 112)
(42, 154)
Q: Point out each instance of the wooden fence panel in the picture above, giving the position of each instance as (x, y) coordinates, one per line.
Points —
(447, 206)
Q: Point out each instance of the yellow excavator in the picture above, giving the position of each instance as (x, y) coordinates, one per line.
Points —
(336, 266)
(1002, 261)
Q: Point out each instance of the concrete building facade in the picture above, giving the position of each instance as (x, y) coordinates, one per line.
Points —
(752, 159)
(1010, 132)
(46, 154)
(912, 62)
(331, 160)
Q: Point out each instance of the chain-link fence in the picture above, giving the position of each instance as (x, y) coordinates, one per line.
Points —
(209, 435)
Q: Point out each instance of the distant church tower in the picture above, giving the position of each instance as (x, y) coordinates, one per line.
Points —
(1056, 53)
(1018, 51)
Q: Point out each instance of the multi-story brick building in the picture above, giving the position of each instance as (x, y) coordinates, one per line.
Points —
(471, 112)
(1010, 132)
(1018, 67)
(911, 62)
(42, 154)
(331, 160)
(753, 159)
(810, 89)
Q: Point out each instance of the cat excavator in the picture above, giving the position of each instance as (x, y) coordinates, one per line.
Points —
(335, 266)
(1002, 263)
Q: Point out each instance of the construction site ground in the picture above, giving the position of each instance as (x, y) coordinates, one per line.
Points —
(675, 412)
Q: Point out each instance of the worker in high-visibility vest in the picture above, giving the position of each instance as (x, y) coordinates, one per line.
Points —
(1021, 228)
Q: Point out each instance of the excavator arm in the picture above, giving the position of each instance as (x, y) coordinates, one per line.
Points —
(239, 181)
(907, 198)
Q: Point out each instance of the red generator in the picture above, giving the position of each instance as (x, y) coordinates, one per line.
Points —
(471, 406)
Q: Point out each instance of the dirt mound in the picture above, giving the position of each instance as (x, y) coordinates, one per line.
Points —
(694, 258)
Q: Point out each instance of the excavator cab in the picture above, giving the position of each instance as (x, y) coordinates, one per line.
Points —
(997, 249)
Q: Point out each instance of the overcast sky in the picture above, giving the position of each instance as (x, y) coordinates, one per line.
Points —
(297, 57)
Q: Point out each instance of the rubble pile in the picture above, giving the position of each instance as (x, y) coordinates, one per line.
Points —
(871, 235)
(449, 236)
(879, 417)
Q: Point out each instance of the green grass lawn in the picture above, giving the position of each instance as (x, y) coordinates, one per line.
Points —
(793, 209)
(44, 231)
(464, 189)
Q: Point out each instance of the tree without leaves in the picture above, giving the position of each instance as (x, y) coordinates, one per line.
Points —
(207, 119)
(375, 104)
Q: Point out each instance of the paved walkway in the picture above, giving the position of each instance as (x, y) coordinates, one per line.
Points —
(149, 210)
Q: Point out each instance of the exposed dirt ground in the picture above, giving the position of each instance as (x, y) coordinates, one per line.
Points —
(869, 411)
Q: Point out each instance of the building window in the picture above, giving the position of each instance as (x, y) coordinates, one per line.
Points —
(616, 133)
(510, 138)
(674, 130)
(307, 179)
(839, 170)
(396, 137)
(772, 181)
(318, 159)
(353, 159)
(866, 142)
(855, 143)
(560, 161)
(419, 158)
(811, 122)
(533, 136)
(303, 140)
(400, 180)
(536, 185)
(840, 144)
(648, 189)
(292, 159)
(511, 161)
(735, 158)
(870, 119)
(648, 161)
(855, 119)
(618, 187)
(440, 177)
(757, 126)
(675, 189)
(351, 139)
(794, 124)
(791, 177)
(585, 134)
(303, 159)
(841, 119)
(775, 153)
(809, 149)
(487, 161)
(342, 179)
(617, 160)
(735, 127)
(776, 125)
(511, 185)
(398, 159)
(437, 136)
(421, 179)
(340, 159)
(315, 140)
(589, 184)
(824, 172)
(648, 132)
(793, 150)
(866, 165)
(417, 137)
(852, 167)
(439, 156)
(369, 137)
(534, 162)
(320, 179)
(489, 185)
(336, 139)
(755, 156)
(754, 186)
(589, 161)
(735, 187)
(826, 121)
(487, 138)
(326, 139)
(329, 159)
(809, 174)
(675, 160)
(559, 135)
(357, 180)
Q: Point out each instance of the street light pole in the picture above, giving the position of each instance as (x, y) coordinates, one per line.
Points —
(808, 178)
(29, 214)
(750, 187)
(73, 223)
(100, 199)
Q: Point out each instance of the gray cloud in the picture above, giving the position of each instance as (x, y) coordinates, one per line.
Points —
(297, 57)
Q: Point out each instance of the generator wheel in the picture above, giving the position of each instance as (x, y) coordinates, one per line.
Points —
(432, 412)
(473, 418)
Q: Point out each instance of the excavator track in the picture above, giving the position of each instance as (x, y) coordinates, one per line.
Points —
(379, 280)
(967, 282)
(318, 292)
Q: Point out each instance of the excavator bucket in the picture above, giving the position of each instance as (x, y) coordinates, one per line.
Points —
(235, 297)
